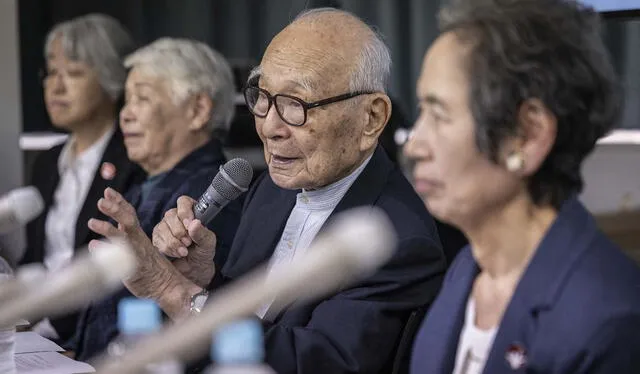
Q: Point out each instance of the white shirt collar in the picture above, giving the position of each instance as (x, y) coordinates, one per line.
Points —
(95, 151)
(329, 196)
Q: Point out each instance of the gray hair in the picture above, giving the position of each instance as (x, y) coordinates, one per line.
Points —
(99, 41)
(191, 67)
(373, 69)
(549, 50)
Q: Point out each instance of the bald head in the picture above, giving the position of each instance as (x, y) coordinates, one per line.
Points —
(332, 44)
(338, 66)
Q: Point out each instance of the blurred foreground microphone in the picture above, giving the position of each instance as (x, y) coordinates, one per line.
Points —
(18, 207)
(89, 277)
(27, 277)
(7, 333)
(354, 246)
(231, 181)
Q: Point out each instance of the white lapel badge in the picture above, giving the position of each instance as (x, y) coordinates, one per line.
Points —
(516, 356)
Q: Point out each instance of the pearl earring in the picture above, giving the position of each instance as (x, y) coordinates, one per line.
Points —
(515, 162)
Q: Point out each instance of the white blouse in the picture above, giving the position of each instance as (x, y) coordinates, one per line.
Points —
(474, 344)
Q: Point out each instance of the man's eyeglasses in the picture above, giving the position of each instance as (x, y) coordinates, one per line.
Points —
(291, 109)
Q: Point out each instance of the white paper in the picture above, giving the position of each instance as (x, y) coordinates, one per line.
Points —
(29, 342)
(49, 363)
(22, 322)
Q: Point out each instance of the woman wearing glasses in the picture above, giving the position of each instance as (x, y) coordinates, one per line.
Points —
(83, 83)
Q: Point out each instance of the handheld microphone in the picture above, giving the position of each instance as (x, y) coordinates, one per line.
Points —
(356, 244)
(86, 279)
(18, 207)
(231, 181)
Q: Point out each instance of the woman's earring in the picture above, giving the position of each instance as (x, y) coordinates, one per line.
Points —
(515, 162)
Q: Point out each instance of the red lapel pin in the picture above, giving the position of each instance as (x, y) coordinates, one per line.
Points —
(107, 171)
(516, 356)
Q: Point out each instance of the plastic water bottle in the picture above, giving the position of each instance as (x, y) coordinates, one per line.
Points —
(7, 333)
(238, 348)
(138, 318)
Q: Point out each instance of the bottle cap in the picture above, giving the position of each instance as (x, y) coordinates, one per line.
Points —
(239, 342)
(138, 316)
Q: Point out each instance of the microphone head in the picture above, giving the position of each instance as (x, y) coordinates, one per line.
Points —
(366, 236)
(26, 203)
(114, 261)
(31, 273)
(233, 179)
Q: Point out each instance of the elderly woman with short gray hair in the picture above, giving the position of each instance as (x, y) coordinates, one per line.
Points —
(179, 94)
(179, 98)
(83, 83)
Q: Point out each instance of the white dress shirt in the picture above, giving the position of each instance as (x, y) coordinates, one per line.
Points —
(474, 344)
(306, 219)
(76, 177)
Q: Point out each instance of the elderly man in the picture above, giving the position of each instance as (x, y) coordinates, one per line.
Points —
(319, 102)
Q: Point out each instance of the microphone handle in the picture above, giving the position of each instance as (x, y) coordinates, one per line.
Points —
(209, 205)
(10, 288)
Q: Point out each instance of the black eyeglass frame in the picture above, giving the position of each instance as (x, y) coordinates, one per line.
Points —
(305, 105)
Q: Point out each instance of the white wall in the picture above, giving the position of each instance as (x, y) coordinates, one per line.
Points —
(612, 178)
(10, 115)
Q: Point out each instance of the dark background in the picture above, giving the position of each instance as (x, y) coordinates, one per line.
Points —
(241, 29)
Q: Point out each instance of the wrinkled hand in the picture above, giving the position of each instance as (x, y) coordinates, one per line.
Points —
(114, 206)
(155, 278)
(153, 271)
(178, 231)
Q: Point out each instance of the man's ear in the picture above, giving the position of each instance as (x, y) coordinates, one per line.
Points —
(378, 109)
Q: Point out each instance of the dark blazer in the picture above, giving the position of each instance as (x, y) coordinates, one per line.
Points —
(357, 329)
(190, 177)
(45, 177)
(575, 310)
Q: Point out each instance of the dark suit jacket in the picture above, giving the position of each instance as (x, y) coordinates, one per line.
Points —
(46, 178)
(190, 177)
(357, 329)
(575, 310)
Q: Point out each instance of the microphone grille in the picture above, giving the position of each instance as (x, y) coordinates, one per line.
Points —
(240, 173)
(367, 236)
(114, 261)
(26, 202)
